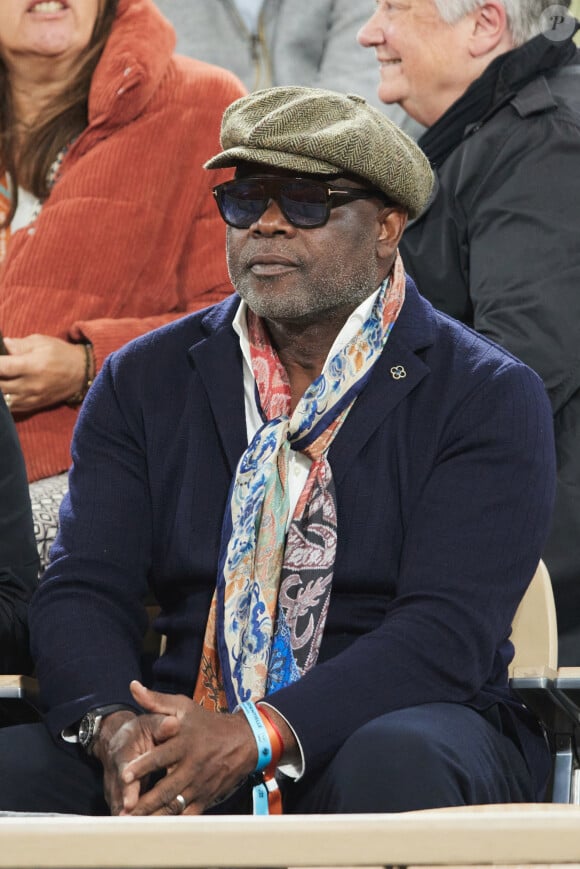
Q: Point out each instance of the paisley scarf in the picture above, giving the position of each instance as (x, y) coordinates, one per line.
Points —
(273, 588)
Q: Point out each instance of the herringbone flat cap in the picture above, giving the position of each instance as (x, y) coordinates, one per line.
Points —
(322, 132)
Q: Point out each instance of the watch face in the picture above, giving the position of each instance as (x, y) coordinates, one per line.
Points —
(87, 729)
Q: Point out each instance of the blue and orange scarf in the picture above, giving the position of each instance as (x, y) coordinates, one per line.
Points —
(273, 588)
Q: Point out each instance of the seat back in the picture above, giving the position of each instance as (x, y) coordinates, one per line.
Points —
(534, 628)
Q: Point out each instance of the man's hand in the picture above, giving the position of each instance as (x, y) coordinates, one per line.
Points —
(120, 739)
(41, 371)
(206, 755)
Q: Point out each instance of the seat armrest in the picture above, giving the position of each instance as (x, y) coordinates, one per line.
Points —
(19, 687)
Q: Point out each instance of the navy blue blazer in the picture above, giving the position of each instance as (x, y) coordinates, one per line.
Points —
(445, 483)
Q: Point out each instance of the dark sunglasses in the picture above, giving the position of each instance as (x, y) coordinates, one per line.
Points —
(304, 202)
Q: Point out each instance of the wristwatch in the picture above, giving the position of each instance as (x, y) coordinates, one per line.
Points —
(90, 724)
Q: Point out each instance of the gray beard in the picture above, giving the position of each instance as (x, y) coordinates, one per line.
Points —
(326, 296)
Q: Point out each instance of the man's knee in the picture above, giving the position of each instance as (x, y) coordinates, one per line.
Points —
(399, 763)
(437, 754)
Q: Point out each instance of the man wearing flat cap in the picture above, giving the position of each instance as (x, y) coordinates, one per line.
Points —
(337, 496)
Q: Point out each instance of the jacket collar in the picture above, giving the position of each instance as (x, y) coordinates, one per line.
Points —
(535, 57)
(497, 86)
(217, 359)
(218, 362)
(135, 59)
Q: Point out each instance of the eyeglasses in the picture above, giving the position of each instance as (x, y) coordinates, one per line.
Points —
(304, 202)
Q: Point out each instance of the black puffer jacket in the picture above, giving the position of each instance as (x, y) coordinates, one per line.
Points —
(499, 248)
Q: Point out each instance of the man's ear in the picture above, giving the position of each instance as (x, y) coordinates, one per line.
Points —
(392, 224)
(489, 34)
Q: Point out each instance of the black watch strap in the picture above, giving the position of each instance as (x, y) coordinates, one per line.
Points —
(113, 707)
(90, 724)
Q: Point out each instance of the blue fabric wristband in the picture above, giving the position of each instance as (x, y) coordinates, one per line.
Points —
(260, 799)
(260, 734)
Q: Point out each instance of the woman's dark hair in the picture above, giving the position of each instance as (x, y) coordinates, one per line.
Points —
(28, 157)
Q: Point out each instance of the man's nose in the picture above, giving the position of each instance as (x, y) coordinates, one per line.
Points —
(272, 220)
(370, 33)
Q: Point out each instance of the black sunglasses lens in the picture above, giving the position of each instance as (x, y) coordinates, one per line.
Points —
(242, 203)
(304, 203)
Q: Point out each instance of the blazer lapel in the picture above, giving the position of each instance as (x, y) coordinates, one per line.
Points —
(218, 362)
(396, 373)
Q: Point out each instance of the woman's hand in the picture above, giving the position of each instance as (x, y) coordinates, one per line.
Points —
(41, 371)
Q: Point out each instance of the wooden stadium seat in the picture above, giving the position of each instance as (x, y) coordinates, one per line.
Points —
(551, 694)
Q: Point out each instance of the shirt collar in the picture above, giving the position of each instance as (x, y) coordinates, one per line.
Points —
(348, 331)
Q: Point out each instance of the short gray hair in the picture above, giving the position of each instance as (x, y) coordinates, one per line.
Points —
(524, 16)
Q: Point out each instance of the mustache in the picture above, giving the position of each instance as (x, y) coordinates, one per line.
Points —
(253, 252)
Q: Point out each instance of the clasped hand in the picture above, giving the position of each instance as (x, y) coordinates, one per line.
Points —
(206, 755)
(41, 371)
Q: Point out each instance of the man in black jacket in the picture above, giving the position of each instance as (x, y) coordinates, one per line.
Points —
(497, 83)
(18, 555)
